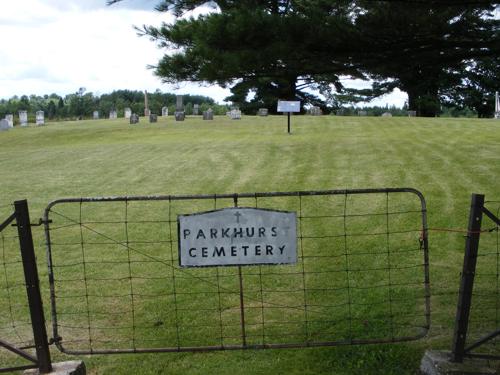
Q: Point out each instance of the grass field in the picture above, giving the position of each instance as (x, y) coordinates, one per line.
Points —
(446, 159)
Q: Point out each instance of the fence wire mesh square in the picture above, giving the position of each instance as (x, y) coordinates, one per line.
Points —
(484, 317)
(116, 285)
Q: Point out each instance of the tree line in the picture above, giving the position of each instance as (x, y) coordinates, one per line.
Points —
(82, 104)
(440, 52)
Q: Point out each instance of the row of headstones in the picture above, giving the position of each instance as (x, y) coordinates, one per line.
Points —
(8, 121)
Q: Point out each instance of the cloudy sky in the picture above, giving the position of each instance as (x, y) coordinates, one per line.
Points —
(58, 46)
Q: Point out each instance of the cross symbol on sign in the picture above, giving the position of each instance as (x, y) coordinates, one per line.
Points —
(237, 214)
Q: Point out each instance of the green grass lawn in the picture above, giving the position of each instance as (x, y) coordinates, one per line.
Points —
(446, 159)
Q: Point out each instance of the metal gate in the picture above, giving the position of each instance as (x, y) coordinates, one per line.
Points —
(362, 275)
(20, 291)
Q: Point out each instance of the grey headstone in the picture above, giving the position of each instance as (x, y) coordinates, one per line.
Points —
(208, 115)
(164, 111)
(112, 114)
(196, 109)
(179, 115)
(386, 114)
(153, 117)
(95, 115)
(263, 112)
(40, 119)
(127, 112)
(23, 118)
(10, 119)
(179, 106)
(362, 113)
(412, 113)
(315, 111)
(134, 119)
(4, 125)
(235, 114)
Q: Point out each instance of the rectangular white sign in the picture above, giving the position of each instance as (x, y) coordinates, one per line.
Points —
(237, 236)
(288, 106)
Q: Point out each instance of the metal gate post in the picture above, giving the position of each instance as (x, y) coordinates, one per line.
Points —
(467, 279)
(32, 286)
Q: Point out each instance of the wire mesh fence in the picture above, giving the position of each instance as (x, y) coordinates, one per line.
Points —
(116, 285)
(15, 321)
(485, 308)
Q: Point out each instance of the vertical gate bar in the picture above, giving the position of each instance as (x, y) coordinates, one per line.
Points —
(242, 302)
(467, 279)
(32, 286)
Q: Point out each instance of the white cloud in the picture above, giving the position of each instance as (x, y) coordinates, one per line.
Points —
(60, 45)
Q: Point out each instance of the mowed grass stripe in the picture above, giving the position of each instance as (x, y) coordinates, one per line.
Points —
(447, 159)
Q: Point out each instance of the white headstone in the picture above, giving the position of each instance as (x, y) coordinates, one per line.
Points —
(95, 115)
(128, 112)
(386, 114)
(235, 114)
(23, 118)
(112, 114)
(40, 119)
(315, 111)
(10, 119)
(164, 111)
(4, 125)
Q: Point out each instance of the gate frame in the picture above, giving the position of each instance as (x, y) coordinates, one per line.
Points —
(235, 196)
(42, 359)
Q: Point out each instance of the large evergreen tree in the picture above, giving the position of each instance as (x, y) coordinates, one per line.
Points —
(278, 48)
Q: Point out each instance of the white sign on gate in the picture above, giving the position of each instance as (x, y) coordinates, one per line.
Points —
(237, 236)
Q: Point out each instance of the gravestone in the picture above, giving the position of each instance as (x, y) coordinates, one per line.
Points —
(23, 118)
(153, 117)
(134, 119)
(208, 115)
(386, 114)
(113, 114)
(40, 119)
(412, 113)
(4, 125)
(179, 109)
(196, 109)
(164, 111)
(127, 112)
(10, 119)
(95, 115)
(315, 111)
(235, 114)
(263, 112)
(147, 112)
(362, 113)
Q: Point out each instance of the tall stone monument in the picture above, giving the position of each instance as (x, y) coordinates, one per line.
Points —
(40, 118)
(147, 112)
(127, 112)
(196, 109)
(23, 118)
(179, 109)
(164, 111)
(10, 119)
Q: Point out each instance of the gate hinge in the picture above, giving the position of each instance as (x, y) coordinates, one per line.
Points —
(40, 222)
